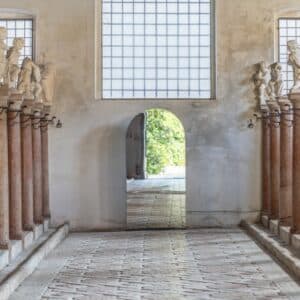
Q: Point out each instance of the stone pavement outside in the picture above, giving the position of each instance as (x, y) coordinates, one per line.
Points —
(156, 203)
(193, 264)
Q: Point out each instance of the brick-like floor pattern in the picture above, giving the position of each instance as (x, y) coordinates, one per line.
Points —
(156, 203)
(194, 264)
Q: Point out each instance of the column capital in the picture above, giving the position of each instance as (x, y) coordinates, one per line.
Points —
(285, 104)
(264, 109)
(38, 108)
(295, 99)
(4, 95)
(27, 106)
(273, 106)
(47, 109)
(15, 100)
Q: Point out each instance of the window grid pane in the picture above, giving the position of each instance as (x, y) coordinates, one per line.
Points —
(156, 49)
(289, 29)
(20, 28)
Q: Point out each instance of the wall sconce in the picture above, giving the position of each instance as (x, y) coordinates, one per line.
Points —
(59, 124)
(252, 123)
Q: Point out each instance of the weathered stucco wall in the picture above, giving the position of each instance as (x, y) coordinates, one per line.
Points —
(88, 154)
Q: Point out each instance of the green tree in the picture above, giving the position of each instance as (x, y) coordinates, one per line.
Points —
(165, 141)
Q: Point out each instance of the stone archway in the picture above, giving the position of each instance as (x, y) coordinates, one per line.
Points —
(155, 159)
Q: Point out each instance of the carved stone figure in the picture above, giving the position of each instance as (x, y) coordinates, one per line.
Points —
(294, 61)
(275, 86)
(13, 55)
(29, 81)
(3, 48)
(48, 82)
(261, 78)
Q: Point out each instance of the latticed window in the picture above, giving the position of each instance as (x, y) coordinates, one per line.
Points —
(289, 29)
(157, 49)
(20, 28)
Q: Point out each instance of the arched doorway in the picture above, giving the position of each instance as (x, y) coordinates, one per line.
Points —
(155, 159)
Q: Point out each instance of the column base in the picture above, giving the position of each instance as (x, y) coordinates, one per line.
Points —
(15, 249)
(27, 239)
(38, 231)
(295, 241)
(285, 234)
(28, 227)
(16, 237)
(46, 224)
(274, 226)
(265, 221)
(5, 246)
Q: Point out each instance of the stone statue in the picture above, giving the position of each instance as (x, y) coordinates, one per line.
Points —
(29, 81)
(294, 61)
(3, 48)
(275, 86)
(260, 79)
(48, 82)
(13, 55)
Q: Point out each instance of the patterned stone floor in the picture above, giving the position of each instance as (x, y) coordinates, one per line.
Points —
(156, 203)
(194, 264)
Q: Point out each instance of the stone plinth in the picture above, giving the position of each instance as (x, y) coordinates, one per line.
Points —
(46, 224)
(265, 221)
(4, 189)
(15, 249)
(275, 158)
(295, 241)
(295, 99)
(286, 163)
(38, 231)
(285, 234)
(4, 258)
(27, 165)
(15, 167)
(37, 165)
(274, 226)
(27, 239)
(266, 162)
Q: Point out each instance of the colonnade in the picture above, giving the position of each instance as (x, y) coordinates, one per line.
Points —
(281, 163)
(24, 184)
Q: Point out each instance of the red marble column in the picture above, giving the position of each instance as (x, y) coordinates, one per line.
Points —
(15, 168)
(286, 163)
(295, 98)
(4, 188)
(37, 167)
(275, 159)
(27, 166)
(266, 163)
(45, 168)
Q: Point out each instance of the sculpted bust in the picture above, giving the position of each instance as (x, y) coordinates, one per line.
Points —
(294, 61)
(13, 55)
(260, 80)
(3, 48)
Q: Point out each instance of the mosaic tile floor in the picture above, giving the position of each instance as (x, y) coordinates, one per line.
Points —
(194, 264)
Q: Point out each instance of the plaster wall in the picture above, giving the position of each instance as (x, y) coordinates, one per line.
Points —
(87, 156)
